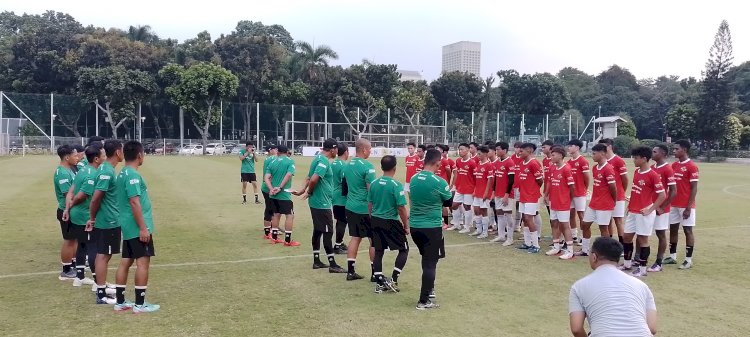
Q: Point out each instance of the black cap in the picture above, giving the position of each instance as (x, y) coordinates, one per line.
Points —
(272, 146)
(282, 149)
(330, 144)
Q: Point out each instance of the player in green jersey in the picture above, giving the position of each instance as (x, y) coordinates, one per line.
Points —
(63, 180)
(339, 200)
(268, 212)
(359, 173)
(247, 171)
(278, 178)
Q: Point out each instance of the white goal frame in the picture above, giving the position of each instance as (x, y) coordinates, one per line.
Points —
(385, 138)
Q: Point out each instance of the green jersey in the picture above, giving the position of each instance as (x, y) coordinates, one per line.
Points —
(358, 174)
(386, 195)
(108, 212)
(83, 163)
(266, 163)
(248, 164)
(63, 179)
(84, 182)
(321, 196)
(278, 170)
(337, 168)
(130, 184)
(428, 193)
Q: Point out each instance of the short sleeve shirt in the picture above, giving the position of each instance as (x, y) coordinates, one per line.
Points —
(358, 174)
(685, 173)
(248, 164)
(601, 199)
(321, 197)
(83, 163)
(386, 196)
(446, 168)
(337, 170)
(130, 184)
(266, 163)
(667, 179)
(559, 179)
(618, 165)
(278, 170)
(482, 176)
(428, 193)
(578, 167)
(527, 175)
(84, 182)
(411, 166)
(108, 212)
(646, 185)
(503, 169)
(465, 176)
(62, 180)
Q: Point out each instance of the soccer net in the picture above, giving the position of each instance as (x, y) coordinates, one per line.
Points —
(392, 140)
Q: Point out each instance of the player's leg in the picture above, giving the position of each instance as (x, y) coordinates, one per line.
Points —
(317, 236)
(484, 211)
(244, 190)
(556, 245)
(327, 219)
(403, 253)
(510, 226)
(108, 244)
(67, 249)
(267, 216)
(379, 243)
(468, 200)
(287, 208)
(477, 209)
(629, 229)
(687, 226)
(121, 280)
(603, 220)
(563, 219)
(530, 210)
(589, 217)
(660, 227)
(339, 213)
(500, 221)
(429, 249)
(675, 218)
(356, 238)
(141, 284)
(457, 210)
(644, 228)
(253, 180)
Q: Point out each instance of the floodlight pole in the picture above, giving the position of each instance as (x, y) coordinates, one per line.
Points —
(2, 98)
(445, 126)
(388, 130)
(257, 125)
(472, 126)
(497, 129)
(221, 122)
(325, 121)
(52, 123)
(292, 128)
(96, 117)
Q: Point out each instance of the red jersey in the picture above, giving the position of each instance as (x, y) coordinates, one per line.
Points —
(419, 165)
(465, 176)
(646, 185)
(578, 167)
(503, 168)
(601, 199)
(667, 179)
(546, 162)
(411, 166)
(528, 173)
(482, 176)
(560, 179)
(446, 168)
(516, 165)
(618, 165)
(476, 159)
(685, 173)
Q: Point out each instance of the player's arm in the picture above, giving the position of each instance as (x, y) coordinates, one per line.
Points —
(369, 204)
(96, 201)
(310, 184)
(404, 215)
(612, 189)
(286, 179)
(511, 182)
(135, 209)
(691, 200)
(576, 324)
(244, 155)
(78, 198)
(624, 179)
(488, 189)
(671, 193)
(267, 181)
(69, 197)
(255, 157)
(587, 179)
(659, 200)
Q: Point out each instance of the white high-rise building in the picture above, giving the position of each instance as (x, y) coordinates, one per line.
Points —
(464, 56)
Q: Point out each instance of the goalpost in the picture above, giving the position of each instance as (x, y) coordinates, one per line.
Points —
(389, 140)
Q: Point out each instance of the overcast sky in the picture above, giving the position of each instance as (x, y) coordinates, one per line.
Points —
(650, 38)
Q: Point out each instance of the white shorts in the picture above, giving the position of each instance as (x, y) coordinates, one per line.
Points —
(528, 208)
(601, 218)
(481, 203)
(579, 203)
(675, 216)
(466, 199)
(640, 224)
(506, 208)
(619, 211)
(516, 193)
(662, 222)
(406, 187)
(562, 216)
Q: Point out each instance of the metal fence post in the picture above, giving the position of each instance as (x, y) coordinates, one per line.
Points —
(257, 124)
(52, 123)
(292, 128)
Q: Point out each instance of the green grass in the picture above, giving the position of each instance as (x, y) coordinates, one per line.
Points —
(484, 289)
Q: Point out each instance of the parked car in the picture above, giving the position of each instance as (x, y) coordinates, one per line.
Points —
(215, 149)
(192, 149)
(236, 150)
(230, 146)
(160, 149)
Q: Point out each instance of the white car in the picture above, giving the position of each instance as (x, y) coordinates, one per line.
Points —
(192, 149)
(215, 149)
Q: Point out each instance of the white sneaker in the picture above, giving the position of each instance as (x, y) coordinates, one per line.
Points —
(86, 281)
(465, 230)
(507, 243)
(553, 252)
(482, 236)
(452, 228)
(566, 255)
(109, 286)
(475, 233)
(498, 239)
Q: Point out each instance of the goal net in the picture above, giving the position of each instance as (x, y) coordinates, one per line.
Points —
(392, 140)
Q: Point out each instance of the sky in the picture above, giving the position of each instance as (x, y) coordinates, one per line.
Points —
(650, 38)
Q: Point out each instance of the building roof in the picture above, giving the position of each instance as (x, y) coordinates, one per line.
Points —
(609, 119)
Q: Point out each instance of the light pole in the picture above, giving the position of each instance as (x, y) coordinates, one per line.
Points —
(52, 131)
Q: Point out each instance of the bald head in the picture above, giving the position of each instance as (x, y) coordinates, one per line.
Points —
(363, 147)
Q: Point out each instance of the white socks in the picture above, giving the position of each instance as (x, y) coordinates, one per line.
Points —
(534, 236)
(526, 236)
(585, 243)
(468, 217)
(510, 226)
(456, 221)
(485, 225)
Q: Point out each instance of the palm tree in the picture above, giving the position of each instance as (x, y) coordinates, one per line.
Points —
(310, 59)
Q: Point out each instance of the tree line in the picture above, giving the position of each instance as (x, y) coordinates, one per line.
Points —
(119, 70)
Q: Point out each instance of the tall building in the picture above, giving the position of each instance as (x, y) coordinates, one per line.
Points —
(464, 56)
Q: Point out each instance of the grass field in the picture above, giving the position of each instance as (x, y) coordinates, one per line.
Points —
(215, 276)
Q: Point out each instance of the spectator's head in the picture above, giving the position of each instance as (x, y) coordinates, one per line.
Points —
(605, 250)
(113, 149)
(681, 149)
(388, 164)
(133, 152)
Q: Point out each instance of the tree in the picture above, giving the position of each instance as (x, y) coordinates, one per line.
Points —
(681, 121)
(745, 138)
(616, 76)
(627, 128)
(583, 89)
(309, 60)
(142, 33)
(115, 91)
(457, 91)
(731, 138)
(277, 32)
(198, 49)
(659, 95)
(198, 89)
(538, 94)
(411, 100)
(740, 80)
(716, 93)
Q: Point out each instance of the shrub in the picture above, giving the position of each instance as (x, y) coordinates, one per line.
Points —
(623, 145)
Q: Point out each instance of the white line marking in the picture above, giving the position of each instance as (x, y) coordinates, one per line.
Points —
(274, 258)
(727, 189)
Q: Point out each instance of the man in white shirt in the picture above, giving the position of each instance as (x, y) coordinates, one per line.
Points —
(614, 303)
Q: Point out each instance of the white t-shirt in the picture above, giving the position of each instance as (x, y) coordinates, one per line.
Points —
(615, 303)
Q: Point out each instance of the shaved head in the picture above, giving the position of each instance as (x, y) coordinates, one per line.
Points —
(361, 145)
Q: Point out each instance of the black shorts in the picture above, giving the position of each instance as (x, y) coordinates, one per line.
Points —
(249, 177)
(388, 234)
(429, 241)
(268, 211)
(339, 213)
(359, 225)
(285, 207)
(80, 233)
(322, 220)
(65, 227)
(134, 248)
(108, 240)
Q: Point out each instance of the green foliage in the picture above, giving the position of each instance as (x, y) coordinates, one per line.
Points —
(308, 61)
(29, 130)
(624, 144)
(651, 143)
(626, 128)
(537, 94)
(731, 138)
(716, 93)
(745, 138)
(277, 32)
(583, 89)
(681, 121)
(457, 91)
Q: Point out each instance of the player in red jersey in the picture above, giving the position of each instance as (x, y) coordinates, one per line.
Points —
(484, 177)
(504, 174)
(645, 196)
(558, 192)
(530, 180)
(661, 166)
(603, 198)
(464, 185)
(419, 165)
(683, 206)
(474, 151)
(579, 166)
(445, 171)
(411, 164)
(515, 157)
(622, 185)
(546, 162)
